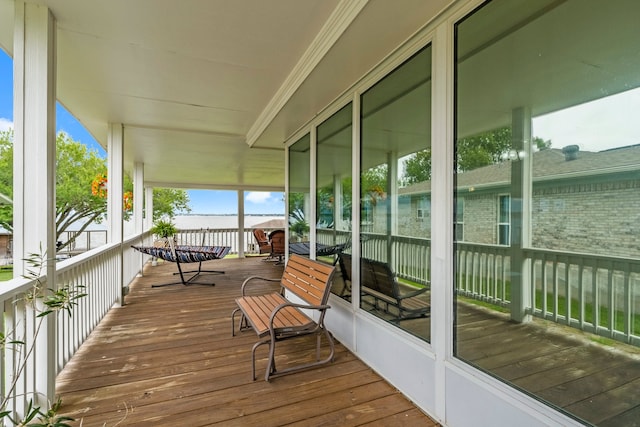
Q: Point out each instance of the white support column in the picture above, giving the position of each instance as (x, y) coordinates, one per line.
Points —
(241, 224)
(287, 189)
(148, 208)
(313, 192)
(115, 165)
(521, 214)
(392, 205)
(138, 198)
(356, 248)
(442, 201)
(338, 221)
(34, 169)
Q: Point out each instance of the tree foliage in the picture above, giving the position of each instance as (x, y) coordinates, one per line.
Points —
(374, 179)
(6, 177)
(167, 202)
(471, 153)
(77, 169)
(417, 168)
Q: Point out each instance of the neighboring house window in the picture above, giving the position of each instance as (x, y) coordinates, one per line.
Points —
(424, 207)
(504, 219)
(459, 220)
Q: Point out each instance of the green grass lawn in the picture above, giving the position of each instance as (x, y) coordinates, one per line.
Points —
(618, 316)
(6, 273)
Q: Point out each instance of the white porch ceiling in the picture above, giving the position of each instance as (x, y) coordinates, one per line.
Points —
(208, 91)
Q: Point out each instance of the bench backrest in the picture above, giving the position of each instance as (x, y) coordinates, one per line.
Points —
(307, 279)
(375, 275)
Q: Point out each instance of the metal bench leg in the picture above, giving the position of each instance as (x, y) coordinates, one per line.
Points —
(233, 323)
(253, 360)
(271, 364)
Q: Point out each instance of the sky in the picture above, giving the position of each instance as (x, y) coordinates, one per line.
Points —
(202, 202)
(606, 123)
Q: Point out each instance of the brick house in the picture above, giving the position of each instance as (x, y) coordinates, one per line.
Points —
(573, 197)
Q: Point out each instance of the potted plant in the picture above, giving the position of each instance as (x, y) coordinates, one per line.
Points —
(163, 230)
(300, 228)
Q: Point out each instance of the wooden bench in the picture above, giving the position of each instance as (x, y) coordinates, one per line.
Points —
(378, 281)
(275, 318)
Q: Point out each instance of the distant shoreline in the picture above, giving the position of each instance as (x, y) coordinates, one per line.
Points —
(231, 214)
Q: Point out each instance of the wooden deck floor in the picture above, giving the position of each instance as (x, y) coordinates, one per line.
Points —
(599, 384)
(167, 358)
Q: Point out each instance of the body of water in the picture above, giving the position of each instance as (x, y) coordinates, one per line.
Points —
(190, 222)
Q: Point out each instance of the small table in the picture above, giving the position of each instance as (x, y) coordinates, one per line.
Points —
(304, 248)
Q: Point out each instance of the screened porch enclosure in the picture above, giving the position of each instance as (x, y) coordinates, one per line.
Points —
(479, 158)
(545, 214)
(545, 227)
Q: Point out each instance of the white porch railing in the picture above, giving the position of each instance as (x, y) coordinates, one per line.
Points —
(593, 293)
(597, 294)
(220, 237)
(82, 242)
(98, 271)
(482, 272)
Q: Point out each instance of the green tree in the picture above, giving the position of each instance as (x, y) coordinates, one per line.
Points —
(6, 177)
(484, 149)
(167, 202)
(296, 207)
(471, 153)
(374, 178)
(77, 169)
(417, 168)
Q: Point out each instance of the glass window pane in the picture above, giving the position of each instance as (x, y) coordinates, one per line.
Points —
(395, 198)
(333, 193)
(547, 162)
(299, 191)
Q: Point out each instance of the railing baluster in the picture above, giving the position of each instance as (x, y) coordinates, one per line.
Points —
(610, 300)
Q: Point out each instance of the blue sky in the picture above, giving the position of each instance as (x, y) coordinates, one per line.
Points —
(201, 201)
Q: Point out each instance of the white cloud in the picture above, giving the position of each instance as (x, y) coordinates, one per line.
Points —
(258, 196)
(5, 124)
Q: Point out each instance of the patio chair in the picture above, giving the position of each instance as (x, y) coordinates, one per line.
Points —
(186, 254)
(264, 247)
(277, 239)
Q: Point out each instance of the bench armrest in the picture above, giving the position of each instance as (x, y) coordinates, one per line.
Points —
(275, 311)
(248, 279)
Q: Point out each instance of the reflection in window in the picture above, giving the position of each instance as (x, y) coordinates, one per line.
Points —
(549, 172)
(395, 196)
(333, 194)
(459, 219)
(299, 195)
(504, 219)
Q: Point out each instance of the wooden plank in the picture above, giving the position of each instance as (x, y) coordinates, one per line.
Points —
(169, 358)
(306, 412)
(168, 354)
